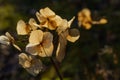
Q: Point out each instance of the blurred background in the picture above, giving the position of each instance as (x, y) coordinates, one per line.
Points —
(95, 56)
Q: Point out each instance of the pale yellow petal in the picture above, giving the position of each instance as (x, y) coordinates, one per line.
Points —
(47, 12)
(33, 49)
(73, 35)
(22, 28)
(41, 18)
(4, 40)
(60, 53)
(57, 19)
(10, 37)
(36, 37)
(63, 26)
(70, 21)
(46, 51)
(33, 24)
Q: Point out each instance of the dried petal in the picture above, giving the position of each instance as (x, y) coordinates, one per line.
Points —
(22, 28)
(33, 24)
(36, 37)
(23, 58)
(73, 35)
(31, 64)
(70, 21)
(47, 12)
(63, 26)
(60, 53)
(33, 49)
(4, 40)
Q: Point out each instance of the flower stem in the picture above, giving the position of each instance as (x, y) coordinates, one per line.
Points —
(56, 68)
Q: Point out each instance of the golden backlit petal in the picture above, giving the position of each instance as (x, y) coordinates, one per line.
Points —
(60, 53)
(41, 18)
(47, 12)
(4, 40)
(74, 35)
(57, 19)
(33, 49)
(22, 28)
(46, 51)
(87, 26)
(70, 21)
(103, 21)
(36, 37)
(86, 12)
(63, 26)
(33, 24)
(47, 39)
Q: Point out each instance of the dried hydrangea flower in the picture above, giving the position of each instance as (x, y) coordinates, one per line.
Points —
(85, 20)
(48, 18)
(7, 39)
(40, 43)
(30, 63)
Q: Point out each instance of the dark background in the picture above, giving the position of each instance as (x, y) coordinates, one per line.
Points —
(84, 59)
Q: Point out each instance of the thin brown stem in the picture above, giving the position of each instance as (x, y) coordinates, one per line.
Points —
(56, 68)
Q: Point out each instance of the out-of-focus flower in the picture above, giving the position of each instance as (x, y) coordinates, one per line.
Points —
(40, 43)
(30, 63)
(85, 20)
(7, 39)
(48, 18)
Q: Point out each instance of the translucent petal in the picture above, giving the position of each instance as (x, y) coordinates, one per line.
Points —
(10, 37)
(73, 35)
(41, 18)
(36, 37)
(33, 49)
(60, 53)
(23, 58)
(4, 40)
(47, 39)
(33, 24)
(31, 64)
(70, 21)
(22, 28)
(46, 51)
(47, 12)
(63, 26)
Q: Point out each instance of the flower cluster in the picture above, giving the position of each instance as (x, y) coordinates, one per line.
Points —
(85, 20)
(48, 36)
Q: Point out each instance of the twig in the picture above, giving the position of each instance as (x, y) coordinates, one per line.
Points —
(56, 68)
